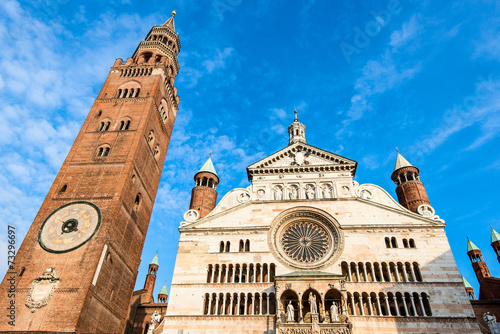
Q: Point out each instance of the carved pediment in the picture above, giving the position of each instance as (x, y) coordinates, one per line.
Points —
(301, 158)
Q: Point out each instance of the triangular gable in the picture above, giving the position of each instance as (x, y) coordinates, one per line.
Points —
(302, 158)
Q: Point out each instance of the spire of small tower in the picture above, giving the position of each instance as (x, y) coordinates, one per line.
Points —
(495, 242)
(296, 131)
(170, 22)
(468, 288)
(471, 246)
(163, 294)
(155, 259)
(410, 190)
(208, 166)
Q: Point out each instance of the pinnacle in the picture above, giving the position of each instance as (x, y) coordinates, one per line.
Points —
(401, 162)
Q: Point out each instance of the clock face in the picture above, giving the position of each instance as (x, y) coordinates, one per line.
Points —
(69, 227)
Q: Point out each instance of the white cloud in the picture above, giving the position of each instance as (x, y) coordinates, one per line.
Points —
(407, 33)
(219, 61)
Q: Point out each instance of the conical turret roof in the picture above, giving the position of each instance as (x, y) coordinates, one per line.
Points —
(471, 246)
(466, 283)
(208, 167)
(163, 290)
(494, 236)
(155, 259)
(401, 162)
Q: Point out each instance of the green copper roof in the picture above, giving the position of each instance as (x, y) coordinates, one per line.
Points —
(471, 246)
(208, 167)
(467, 285)
(155, 260)
(401, 162)
(494, 235)
(163, 290)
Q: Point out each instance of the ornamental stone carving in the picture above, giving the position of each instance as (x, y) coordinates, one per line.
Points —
(42, 289)
(191, 216)
(305, 238)
(243, 197)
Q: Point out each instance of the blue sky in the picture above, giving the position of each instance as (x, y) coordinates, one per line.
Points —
(365, 77)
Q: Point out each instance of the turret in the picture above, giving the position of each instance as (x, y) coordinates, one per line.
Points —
(204, 194)
(297, 132)
(410, 190)
(495, 243)
(163, 295)
(476, 258)
(468, 289)
(149, 284)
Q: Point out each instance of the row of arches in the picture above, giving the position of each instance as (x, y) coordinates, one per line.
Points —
(301, 307)
(391, 304)
(105, 124)
(393, 243)
(124, 93)
(405, 177)
(163, 39)
(226, 246)
(136, 72)
(381, 272)
(206, 182)
(239, 303)
(151, 141)
(241, 273)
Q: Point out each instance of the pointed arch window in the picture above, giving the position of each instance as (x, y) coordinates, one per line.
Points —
(124, 124)
(156, 153)
(103, 126)
(151, 138)
(137, 202)
(103, 151)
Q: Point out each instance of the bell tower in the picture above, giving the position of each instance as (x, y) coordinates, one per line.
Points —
(410, 190)
(476, 258)
(149, 284)
(76, 268)
(204, 194)
(495, 243)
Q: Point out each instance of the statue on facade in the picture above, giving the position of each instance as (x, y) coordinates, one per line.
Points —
(278, 194)
(310, 192)
(293, 193)
(290, 312)
(334, 312)
(327, 192)
(312, 303)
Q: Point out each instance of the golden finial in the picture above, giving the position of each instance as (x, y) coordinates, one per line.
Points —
(210, 152)
(174, 12)
(295, 112)
(397, 150)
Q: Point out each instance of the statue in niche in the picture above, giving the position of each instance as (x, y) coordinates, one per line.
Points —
(491, 321)
(293, 193)
(290, 312)
(155, 319)
(278, 194)
(327, 193)
(310, 192)
(312, 303)
(334, 312)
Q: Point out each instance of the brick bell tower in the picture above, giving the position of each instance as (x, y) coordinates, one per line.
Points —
(410, 190)
(76, 268)
(149, 284)
(204, 194)
(495, 243)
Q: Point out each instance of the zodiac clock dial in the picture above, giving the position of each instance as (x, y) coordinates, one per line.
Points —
(69, 227)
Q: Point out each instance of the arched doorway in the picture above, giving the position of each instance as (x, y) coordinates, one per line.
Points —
(289, 296)
(306, 307)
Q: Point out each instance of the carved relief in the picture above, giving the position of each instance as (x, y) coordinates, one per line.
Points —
(310, 191)
(364, 193)
(261, 193)
(243, 197)
(293, 192)
(42, 289)
(326, 191)
(278, 193)
(191, 216)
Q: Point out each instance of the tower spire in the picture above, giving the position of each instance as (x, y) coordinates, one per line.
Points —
(495, 242)
(170, 22)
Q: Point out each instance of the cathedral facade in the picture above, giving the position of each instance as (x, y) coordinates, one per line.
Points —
(305, 249)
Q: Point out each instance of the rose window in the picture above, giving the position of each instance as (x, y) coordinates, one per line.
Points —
(305, 242)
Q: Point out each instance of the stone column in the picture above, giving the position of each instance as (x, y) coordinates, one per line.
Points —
(267, 309)
(238, 308)
(224, 307)
(217, 305)
(405, 276)
(396, 305)
(404, 304)
(387, 305)
(349, 279)
(379, 309)
(324, 311)
(373, 273)
(353, 305)
(261, 304)
(248, 275)
(245, 312)
(381, 268)
(412, 273)
(300, 311)
(396, 272)
(370, 308)
(422, 306)
(364, 271)
(207, 301)
(357, 272)
(361, 305)
(413, 304)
